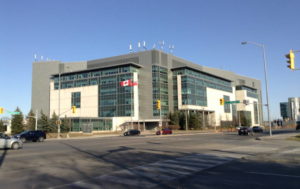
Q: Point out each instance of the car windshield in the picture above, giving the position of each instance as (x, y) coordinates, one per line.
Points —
(24, 132)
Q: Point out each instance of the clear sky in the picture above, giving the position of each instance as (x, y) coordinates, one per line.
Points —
(205, 32)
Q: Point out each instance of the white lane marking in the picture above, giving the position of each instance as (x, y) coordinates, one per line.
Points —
(273, 174)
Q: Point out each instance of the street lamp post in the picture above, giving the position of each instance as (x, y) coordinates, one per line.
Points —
(36, 119)
(266, 78)
(58, 123)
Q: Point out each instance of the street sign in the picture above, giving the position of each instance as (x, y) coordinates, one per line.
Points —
(14, 113)
(232, 102)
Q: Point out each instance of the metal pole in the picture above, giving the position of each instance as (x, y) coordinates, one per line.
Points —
(203, 119)
(36, 119)
(266, 79)
(160, 121)
(239, 118)
(186, 121)
(58, 125)
(131, 99)
(267, 94)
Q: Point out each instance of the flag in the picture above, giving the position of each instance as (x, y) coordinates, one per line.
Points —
(128, 83)
(124, 83)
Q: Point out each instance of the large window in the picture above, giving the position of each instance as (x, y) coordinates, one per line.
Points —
(194, 85)
(76, 99)
(255, 106)
(226, 106)
(160, 89)
(113, 99)
(71, 80)
(250, 91)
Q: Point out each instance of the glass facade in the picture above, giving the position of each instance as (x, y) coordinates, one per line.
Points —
(114, 100)
(160, 89)
(89, 125)
(250, 92)
(75, 99)
(194, 84)
(226, 106)
(255, 106)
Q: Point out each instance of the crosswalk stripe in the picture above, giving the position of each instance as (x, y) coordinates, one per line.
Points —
(139, 172)
(206, 159)
(193, 164)
(85, 185)
(198, 160)
(164, 170)
(213, 157)
(150, 175)
(127, 181)
(165, 164)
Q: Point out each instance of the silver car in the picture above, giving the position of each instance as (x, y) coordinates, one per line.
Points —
(8, 142)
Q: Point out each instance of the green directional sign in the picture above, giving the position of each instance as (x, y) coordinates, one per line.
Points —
(232, 102)
(14, 113)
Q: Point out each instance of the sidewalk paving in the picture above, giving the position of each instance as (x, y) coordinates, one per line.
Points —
(143, 133)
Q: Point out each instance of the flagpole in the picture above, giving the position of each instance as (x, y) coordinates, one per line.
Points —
(131, 106)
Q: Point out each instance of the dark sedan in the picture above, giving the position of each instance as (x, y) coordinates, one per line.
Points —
(244, 130)
(298, 125)
(257, 129)
(132, 132)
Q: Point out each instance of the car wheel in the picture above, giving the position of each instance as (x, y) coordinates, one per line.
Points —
(23, 139)
(41, 139)
(15, 146)
(125, 134)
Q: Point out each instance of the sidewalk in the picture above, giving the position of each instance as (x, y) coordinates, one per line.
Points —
(143, 133)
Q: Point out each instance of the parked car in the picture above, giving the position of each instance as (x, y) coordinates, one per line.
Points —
(257, 129)
(297, 125)
(8, 142)
(244, 130)
(34, 136)
(164, 131)
(132, 132)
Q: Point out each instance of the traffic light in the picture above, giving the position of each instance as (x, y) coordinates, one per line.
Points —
(291, 60)
(1, 110)
(73, 109)
(222, 101)
(158, 106)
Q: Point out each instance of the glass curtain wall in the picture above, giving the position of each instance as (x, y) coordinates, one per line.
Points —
(160, 90)
(89, 125)
(114, 100)
(194, 86)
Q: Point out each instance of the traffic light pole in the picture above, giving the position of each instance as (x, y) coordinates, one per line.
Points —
(58, 125)
(266, 78)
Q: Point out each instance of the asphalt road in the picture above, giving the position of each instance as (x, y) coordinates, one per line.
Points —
(176, 161)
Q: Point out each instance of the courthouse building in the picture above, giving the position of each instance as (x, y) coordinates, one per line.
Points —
(103, 104)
